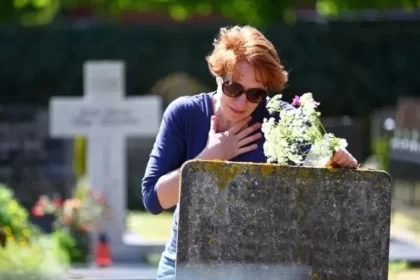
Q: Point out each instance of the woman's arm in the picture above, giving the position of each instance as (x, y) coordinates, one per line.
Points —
(167, 186)
(159, 184)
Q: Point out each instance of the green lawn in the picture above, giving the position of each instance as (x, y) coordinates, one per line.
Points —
(158, 228)
(402, 271)
(151, 227)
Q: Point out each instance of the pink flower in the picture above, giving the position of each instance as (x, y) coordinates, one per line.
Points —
(296, 101)
(38, 211)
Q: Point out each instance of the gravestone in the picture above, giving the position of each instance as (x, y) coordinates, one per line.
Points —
(405, 148)
(261, 221)
(106, 119)
(31, 162)
(405, 144)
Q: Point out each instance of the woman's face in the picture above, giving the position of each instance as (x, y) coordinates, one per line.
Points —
(237, 109)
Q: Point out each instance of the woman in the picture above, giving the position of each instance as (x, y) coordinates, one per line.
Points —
(223, 125)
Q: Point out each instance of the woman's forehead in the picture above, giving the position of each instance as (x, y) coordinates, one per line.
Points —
(245, 74)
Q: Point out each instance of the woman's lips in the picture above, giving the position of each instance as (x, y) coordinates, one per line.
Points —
(236, 111)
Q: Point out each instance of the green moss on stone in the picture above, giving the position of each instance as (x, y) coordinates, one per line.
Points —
(224, 175)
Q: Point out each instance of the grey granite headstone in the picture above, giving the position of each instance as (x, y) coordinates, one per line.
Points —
(31, 162)
(261, 221)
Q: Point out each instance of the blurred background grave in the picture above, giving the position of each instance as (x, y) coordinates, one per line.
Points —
(31, 162)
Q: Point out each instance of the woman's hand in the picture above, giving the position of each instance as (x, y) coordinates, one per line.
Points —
(229, 144)
(343, 159)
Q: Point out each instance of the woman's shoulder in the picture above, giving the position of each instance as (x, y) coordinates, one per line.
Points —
(188, 104)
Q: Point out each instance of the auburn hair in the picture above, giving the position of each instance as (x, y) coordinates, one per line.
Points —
(246, 43)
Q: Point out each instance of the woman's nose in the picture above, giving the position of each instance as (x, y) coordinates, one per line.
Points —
(241, 101)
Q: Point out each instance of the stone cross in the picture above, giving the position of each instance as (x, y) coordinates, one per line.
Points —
(106, 119)
(261, 221)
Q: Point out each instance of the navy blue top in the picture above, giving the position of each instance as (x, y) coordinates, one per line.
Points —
(182, 136)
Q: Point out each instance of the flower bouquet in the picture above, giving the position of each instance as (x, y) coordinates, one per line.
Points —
(298, 136)
(75, 217)
(84, 212)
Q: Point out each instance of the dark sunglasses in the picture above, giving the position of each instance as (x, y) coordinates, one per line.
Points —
(234, 90)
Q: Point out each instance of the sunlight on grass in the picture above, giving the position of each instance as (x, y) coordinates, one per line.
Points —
(150, 227)
(410, 274)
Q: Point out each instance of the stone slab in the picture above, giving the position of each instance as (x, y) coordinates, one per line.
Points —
(119, 272)
(261, 221)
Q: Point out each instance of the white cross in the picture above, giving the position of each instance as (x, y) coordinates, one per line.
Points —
(106, 119)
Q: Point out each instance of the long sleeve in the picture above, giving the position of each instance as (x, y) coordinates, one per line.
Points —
(168, 153)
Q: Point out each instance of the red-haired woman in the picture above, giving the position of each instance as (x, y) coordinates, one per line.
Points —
(224, 124)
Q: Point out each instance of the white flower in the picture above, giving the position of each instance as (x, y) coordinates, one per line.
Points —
(286, 138)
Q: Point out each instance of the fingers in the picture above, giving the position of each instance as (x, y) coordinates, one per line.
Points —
(330, 163)
(244, 133)
(247, 149)
(245, 141)
(237, 127)
(342, 158)
(213, 125)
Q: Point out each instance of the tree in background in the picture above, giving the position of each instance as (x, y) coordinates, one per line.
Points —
(257, 12)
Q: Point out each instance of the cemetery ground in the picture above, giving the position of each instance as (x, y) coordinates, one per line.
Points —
(157, 228)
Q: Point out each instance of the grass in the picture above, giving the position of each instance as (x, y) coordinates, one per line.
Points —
(151, 227)
(402, 271)
(158, 228)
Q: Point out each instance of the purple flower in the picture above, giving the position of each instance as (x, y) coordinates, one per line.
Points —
(296, 101)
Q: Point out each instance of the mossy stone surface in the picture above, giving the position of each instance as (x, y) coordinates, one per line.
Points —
(263, 221)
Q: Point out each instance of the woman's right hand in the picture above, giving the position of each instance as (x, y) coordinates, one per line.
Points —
(229, 144)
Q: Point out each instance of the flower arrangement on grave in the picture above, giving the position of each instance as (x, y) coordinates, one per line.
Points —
(75, 218)
(287, 139)
(84, 212)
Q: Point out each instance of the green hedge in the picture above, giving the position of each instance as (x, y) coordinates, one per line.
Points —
(351, 67)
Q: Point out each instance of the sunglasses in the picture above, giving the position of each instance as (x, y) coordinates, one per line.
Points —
(234, 90)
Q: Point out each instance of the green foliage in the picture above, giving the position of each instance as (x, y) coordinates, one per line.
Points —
(70, 245)
(261, 12)
(398, 266)
(19, 231)
(14, 217)
(28, 254)
(381, 151)
(82, 188)
(41, 260)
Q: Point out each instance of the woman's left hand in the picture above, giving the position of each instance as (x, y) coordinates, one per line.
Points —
(342, 159)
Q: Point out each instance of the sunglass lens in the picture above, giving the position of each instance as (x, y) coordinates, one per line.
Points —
(256, 96)
(232, 89)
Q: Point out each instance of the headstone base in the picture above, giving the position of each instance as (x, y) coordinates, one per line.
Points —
(133, 249)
